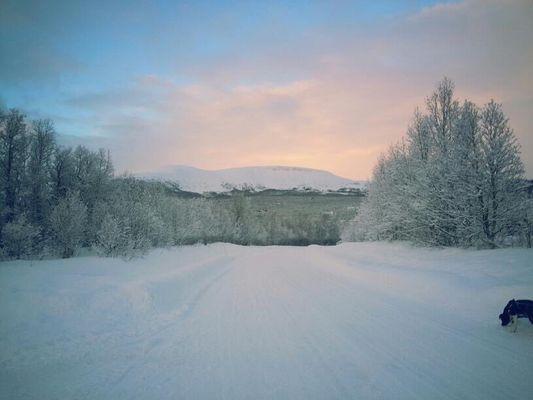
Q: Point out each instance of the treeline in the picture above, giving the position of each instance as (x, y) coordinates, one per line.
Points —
(142, 214)
(56, 200)
(49, 195)
(456, 180)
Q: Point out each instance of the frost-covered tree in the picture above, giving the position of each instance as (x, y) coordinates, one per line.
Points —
(443, 112)
(110, 238)
(41, 151)
(13, 156)
(465, 171)
(92, 176)
(442, 115)
(502, 175)
(140, 209)
(67, 222)
(93, 172)
(62, 172)
(240, 215)
(419, 137)
(19, 237)
(527, 222)
(456, 180)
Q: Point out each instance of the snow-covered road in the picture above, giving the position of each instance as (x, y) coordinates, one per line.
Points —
(355, 321)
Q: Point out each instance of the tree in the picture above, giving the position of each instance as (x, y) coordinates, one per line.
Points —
(527, 219)
(419, 137)
(502, 174)
(92, 172)
(42, 146)
(13, 155)
(442, 115)
(466, 163)
(443, 112)
(240, 213)
(457, 180)
(67, 221)
(110, 238)
(18, 237)
(62, 172)
(92, 175)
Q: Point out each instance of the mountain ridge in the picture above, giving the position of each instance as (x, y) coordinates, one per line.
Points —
(252, 178)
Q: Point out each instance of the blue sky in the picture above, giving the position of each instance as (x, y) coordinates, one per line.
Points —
(222, 84)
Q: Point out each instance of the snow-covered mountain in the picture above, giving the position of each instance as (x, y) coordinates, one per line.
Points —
(255, 178)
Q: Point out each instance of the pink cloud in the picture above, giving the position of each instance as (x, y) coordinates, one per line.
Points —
(355, 96)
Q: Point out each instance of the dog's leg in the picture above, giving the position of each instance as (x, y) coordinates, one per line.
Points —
(514, 322)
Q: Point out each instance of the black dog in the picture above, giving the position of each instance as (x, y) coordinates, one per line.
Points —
(517, 309)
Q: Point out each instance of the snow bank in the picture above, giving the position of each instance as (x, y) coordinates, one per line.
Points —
(355, 321)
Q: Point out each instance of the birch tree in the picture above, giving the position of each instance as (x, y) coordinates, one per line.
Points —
(502, 175)
(456, 181)
(13, 156)
(42, 146)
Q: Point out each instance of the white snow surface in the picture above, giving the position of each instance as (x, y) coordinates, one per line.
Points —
(355, 321)
(258, 178)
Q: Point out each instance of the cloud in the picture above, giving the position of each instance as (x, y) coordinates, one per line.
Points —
(323, 124)
(331, 96)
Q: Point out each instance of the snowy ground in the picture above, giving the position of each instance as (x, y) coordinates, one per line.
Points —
(356, 321)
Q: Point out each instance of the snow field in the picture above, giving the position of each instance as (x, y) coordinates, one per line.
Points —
(359, 320)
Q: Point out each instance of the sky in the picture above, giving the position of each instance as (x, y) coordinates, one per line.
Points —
(221, 84)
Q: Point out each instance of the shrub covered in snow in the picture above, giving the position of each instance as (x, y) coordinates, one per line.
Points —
(19, 237)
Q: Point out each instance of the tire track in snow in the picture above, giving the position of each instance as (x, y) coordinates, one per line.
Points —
(219, 265)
